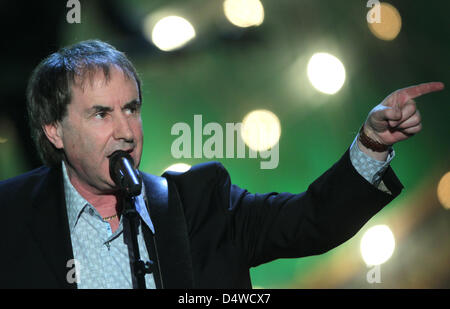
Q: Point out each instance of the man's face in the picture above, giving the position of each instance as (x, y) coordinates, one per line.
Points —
(101, 118)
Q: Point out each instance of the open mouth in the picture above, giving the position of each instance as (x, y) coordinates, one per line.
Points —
(129, 151)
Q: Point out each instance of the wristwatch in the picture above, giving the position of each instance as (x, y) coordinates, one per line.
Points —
(370, 143)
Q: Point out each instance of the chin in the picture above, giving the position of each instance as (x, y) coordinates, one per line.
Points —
(110, 186)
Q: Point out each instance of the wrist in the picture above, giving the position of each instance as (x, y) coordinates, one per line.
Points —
(369, 143)
(371, 140)
(379, 156)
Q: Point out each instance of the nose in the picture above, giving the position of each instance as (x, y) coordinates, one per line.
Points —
(122, 129)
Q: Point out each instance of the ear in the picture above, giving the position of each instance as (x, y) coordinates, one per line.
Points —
(54, 134)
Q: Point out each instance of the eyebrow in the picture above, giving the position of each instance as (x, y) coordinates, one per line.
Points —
(134, 103)
(100, 108)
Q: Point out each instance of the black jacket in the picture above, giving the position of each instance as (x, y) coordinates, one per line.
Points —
(209, 236)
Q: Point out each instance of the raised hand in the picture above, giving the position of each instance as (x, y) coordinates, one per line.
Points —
(397, 117)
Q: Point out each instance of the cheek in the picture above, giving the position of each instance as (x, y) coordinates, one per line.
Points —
(139, 140)
(137, 131)
(87, 147)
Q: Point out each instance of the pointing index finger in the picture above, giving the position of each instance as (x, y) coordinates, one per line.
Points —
(418, 90)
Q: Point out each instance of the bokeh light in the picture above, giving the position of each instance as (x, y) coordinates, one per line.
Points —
(443, 191)
(260, 130)
(178, 167)
(244, 13)
(169, 33)
(326, 73)
(390, 22)
(377, 245)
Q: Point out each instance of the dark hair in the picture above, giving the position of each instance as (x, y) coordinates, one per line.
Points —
(49, 87)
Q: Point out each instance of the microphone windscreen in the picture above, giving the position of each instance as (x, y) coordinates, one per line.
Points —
(122, 172)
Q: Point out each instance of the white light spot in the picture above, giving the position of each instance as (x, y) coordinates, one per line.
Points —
(244, 13)
(178, 167)
(377, 245)
(261, 130)
(326, 73)
(169, 33)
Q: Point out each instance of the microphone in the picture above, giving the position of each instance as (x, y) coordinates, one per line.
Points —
(123, 173)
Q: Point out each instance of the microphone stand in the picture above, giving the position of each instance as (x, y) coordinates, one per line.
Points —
(130, 224)
(126, 178)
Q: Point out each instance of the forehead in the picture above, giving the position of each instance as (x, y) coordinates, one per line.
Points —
(110, 85)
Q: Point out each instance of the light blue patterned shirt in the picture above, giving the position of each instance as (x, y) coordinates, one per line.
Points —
(372, 170)
(102, 256)
(102, 260)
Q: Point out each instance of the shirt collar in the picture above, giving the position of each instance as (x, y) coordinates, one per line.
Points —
(76, 203)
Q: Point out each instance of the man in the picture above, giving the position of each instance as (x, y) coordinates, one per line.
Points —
(84, 103)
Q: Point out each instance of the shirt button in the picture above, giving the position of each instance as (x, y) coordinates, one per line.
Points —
(91, 211)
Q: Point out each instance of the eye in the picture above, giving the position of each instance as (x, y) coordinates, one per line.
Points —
(132, 109)
(100, 115)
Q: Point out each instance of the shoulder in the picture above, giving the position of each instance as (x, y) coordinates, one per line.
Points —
(24, 180)
(203, 172)
(201, 185)
(200, 177)
(22, 187)
(207, 169)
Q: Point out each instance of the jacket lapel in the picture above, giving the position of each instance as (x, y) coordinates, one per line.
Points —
(49, 225)
(171, 237)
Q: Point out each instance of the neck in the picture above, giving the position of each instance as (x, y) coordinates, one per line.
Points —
(101, 202)
(104, 203)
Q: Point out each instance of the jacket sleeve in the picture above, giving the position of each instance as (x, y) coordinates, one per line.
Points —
(285, 225)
